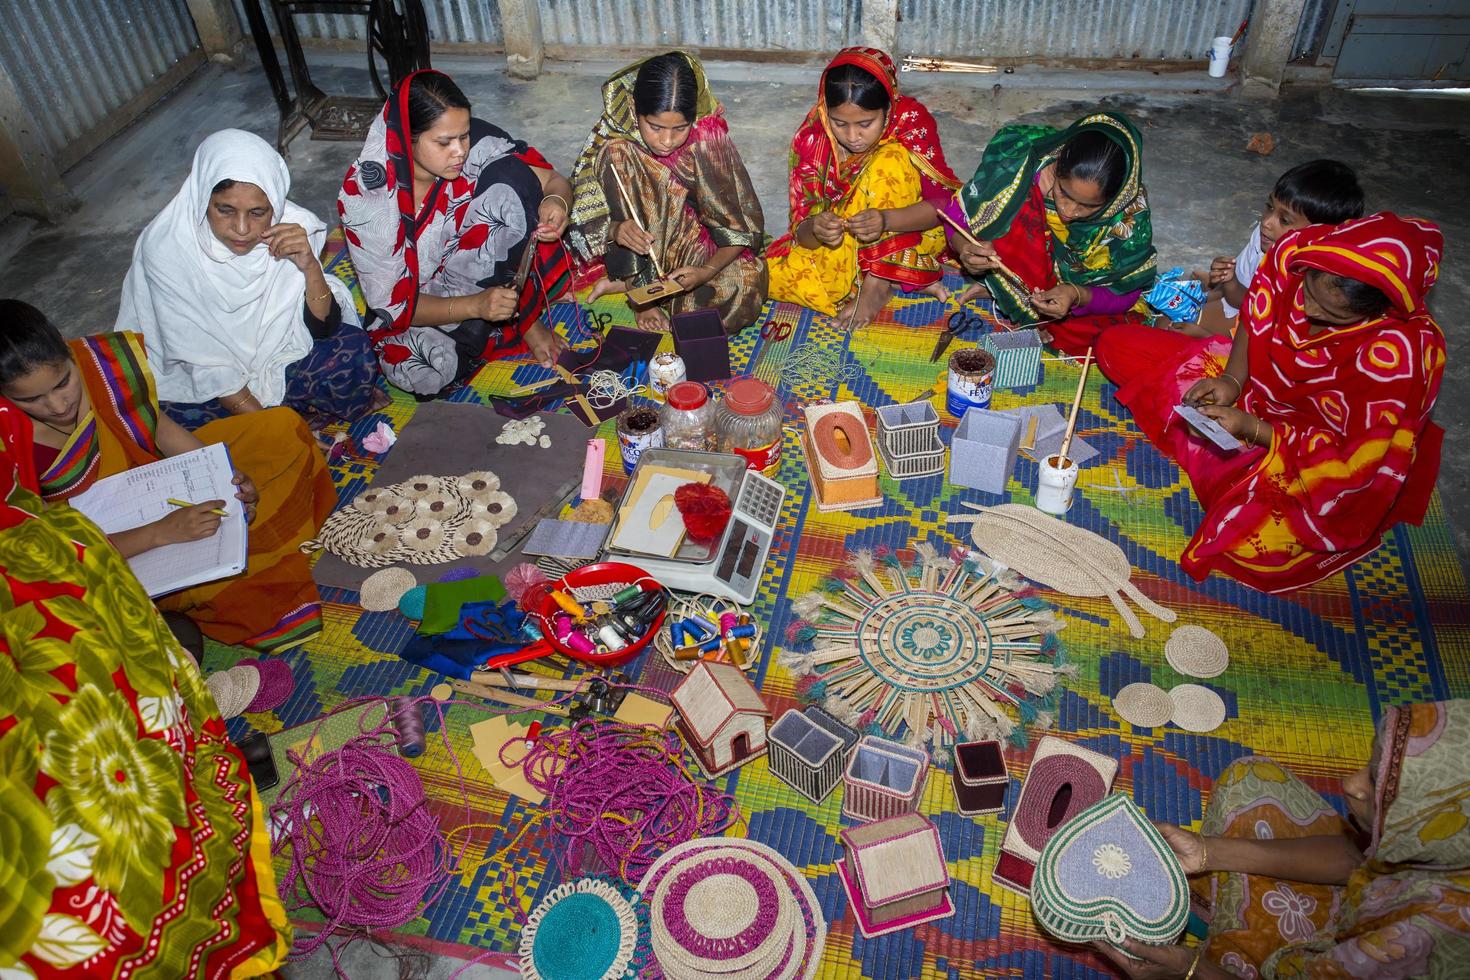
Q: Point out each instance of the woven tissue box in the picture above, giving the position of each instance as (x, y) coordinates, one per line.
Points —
(894, 874)
(840, 457)
(1108, 874)
(883, 779)
(908, 440)
(1017, 357)
(982, 454)
(807, 755)
(980, 778)
(1064, 779)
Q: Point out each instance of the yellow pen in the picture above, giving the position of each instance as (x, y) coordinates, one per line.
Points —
(185, 503)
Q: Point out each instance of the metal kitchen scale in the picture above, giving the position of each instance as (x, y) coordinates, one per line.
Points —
(732, 566)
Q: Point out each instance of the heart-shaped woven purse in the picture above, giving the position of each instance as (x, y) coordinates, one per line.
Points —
(1108, 874)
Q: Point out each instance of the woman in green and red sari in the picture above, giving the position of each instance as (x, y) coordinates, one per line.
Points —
(134, 843)
(1062, 221)
(94, 413)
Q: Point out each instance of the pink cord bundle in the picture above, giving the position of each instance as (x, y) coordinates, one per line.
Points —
(365, 848)
(624, 791)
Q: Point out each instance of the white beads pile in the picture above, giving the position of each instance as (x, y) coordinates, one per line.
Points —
(524, 432)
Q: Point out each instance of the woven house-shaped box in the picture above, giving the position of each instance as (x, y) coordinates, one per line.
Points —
(1017, 357)
(721, 717)
(840, 457)
(982, 454)
(883, 779)
(894, 874)
(908, 440)
(808, 750)
(980, 777)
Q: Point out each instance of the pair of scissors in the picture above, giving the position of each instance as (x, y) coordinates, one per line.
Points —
(773, 332)
(959, 321)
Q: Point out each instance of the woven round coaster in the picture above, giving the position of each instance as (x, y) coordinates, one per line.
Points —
(734, 910)
(382, 590)
(276, 684)
(234, 689)
(1197, 708)
(1145, 705)
(1196, 652)
(583, 930)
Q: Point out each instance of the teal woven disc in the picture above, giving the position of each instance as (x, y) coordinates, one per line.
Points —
(578, 939)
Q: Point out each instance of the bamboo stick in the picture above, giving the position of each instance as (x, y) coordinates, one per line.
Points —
(505, 697)
(628, 203)
(1076, 405)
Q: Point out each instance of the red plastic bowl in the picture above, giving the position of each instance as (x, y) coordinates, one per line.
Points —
(545, 607)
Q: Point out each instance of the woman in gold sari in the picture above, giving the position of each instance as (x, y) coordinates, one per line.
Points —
(867, 177)
(94, 413)
(663, 139)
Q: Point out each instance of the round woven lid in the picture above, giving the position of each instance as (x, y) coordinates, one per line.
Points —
(1197, 652)
(382, 590)
(583, 930)
(1197, 708)
(1145, 705)
(733, 910)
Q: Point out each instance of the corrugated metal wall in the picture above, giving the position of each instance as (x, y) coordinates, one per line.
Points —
(450, 22)
(753, 25)
(1152, 30)
(76, 63)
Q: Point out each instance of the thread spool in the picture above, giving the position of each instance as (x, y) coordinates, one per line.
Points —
(728, 621)
(739, 632)
(676, 634)
(708, 627)
(407, 719)
(569, 605)
(623, 595)
(611, 638)
(561, 626)
(576, 641)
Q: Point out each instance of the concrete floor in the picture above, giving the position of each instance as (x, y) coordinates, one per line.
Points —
(1205, 189)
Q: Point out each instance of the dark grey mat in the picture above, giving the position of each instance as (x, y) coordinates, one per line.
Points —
(448, 439)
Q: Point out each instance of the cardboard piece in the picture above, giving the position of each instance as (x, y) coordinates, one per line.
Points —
(1208, 427)
(655, 292)
(638, 709)
(1051, 428)
(489, 735)
(652, 525)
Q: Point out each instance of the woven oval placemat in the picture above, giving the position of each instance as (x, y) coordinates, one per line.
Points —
(1144, 705)
(1196, 652)
(382, 590)
(1197, 708)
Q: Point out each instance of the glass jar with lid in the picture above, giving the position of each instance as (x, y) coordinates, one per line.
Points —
(689, 417)
(748, 423)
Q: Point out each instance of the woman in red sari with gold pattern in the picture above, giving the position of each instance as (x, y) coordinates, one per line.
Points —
(1335, 369)
(867, 175)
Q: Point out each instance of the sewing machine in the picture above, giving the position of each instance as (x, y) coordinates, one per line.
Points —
(730, 567)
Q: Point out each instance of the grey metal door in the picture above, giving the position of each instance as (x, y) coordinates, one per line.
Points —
(1393, 40)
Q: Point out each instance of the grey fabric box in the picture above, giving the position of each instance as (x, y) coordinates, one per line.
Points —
(983, 452)
(805, 755)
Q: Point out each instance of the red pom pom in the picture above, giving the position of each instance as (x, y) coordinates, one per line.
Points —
(705, 509)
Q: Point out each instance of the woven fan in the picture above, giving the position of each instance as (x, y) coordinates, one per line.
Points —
(941, 648)
(1060, 556)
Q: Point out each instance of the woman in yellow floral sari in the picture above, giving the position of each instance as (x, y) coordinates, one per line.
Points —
(94, 412)
(131, 840)
(1292, 894)
(867, 177)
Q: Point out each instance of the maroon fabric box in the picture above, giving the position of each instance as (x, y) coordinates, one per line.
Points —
(700, 339)
(980, 777)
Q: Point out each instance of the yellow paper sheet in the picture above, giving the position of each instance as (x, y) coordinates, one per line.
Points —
(489, 735)
(639, 710)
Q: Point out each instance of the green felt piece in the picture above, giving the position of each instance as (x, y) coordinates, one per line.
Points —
(443, 601)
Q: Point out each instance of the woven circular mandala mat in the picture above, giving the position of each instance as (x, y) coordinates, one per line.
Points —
(1197, 708)
(382, 590)
(583, 930)
(727, 909)
(1196, 652)
(1145, 705)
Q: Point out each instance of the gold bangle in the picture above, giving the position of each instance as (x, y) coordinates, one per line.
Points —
(1239, 388)
(451, 310)
(1256, 432)
(1199, 953)
(1078, 290)
(566, 205)
(1204, 855)
(317, 299)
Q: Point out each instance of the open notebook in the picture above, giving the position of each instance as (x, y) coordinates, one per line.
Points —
(140, 496)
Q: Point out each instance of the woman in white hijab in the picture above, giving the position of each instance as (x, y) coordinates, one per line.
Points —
(232, 302)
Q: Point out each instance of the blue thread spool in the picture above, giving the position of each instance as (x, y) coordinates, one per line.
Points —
(407, 719)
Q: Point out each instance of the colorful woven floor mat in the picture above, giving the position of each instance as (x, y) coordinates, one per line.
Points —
(1308, 672)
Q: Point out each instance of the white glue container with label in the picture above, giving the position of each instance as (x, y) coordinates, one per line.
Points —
(1058, 478)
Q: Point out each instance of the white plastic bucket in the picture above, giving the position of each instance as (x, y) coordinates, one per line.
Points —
(1219, 57)
(1055, 484)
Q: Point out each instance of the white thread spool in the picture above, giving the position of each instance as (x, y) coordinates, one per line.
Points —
(1219, 57)
(1055, 484)
(665, 371)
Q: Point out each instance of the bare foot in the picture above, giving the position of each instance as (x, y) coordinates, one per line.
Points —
(859, 309)
(605, 287)
(972, 292)
(546, 344)
(651, 318)
(937, 290)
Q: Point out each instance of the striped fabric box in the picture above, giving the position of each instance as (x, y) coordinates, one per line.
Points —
(1017, 357)
(806, 754)
(883, 779)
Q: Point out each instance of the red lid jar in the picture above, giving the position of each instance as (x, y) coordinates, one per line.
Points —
(748, 423)
(688, 417)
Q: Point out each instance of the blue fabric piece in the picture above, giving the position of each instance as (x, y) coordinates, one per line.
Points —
(488, 622)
